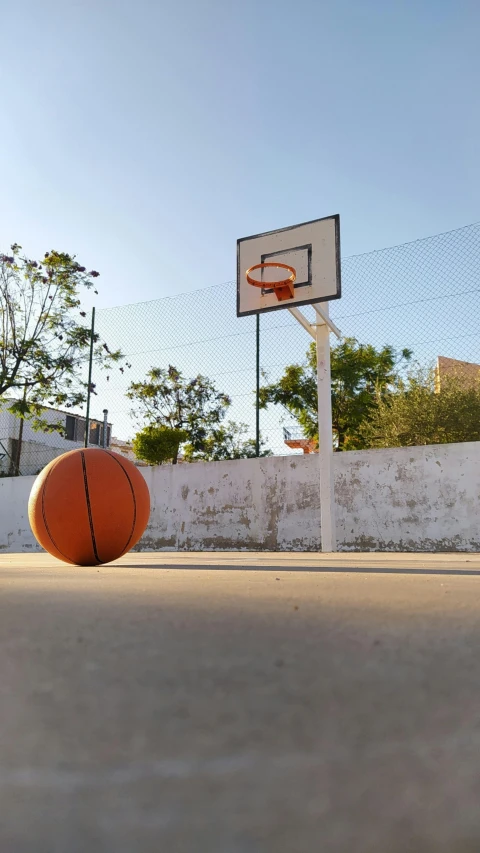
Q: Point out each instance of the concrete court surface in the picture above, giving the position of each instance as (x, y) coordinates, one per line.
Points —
(240, 703)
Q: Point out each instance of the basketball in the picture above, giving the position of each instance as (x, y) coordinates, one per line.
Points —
(89, 506)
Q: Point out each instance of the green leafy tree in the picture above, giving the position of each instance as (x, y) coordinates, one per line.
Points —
(167, 398)
(422, 412)
(43, 342)
(156, 445)
(227, 441)
(361, 375)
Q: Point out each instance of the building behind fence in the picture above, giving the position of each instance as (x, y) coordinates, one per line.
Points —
(422, 295)
(25, 451)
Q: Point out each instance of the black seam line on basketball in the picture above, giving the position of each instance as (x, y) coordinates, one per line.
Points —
(89, 508)
(44, 516)
(133, 496)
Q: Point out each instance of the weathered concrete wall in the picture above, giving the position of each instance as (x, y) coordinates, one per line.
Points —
(409, 498)
(405, 499)
(15, 533)
(270, 504)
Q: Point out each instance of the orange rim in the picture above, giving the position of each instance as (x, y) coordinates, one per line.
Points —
(271, 284)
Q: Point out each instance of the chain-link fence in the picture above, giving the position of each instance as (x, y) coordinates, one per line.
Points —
(424, 296)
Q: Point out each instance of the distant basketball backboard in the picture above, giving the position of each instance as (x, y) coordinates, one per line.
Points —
(311, 249)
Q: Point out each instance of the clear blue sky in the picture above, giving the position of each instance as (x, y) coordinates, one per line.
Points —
(147, 136)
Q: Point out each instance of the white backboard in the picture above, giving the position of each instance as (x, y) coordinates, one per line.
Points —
(312, 248)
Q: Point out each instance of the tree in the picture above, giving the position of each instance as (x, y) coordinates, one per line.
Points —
(361, 375)
(158, 444)
(43, 343)
(167, 398)
(419, 412)
(227, 441)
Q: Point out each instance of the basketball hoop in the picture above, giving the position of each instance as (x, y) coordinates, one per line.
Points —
(283, 289)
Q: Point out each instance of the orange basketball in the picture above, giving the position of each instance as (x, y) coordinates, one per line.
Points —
(89, 507)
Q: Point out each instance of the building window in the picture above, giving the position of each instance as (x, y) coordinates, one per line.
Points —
(75, 431)
(74, 428)
(70, 428)
(94, 436)
(80, 430)
(107, 444)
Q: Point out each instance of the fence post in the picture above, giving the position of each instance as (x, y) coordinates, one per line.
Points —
(90, 364)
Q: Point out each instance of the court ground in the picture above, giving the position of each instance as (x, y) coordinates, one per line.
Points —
(240, 703)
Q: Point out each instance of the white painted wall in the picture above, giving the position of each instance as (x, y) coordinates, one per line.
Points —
(15, 533)
(403, 499)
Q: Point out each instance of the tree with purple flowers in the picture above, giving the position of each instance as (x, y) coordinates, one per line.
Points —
(44, 343)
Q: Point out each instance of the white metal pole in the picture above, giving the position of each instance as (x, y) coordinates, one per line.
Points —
(324, 388)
